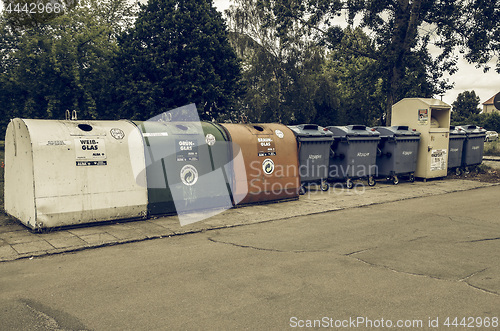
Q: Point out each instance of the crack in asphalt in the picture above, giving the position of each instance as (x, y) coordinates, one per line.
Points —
(481, 240)
(360, 251)
(472, 275)
(417, 238)
(264, 249)
(351, 255)
(463, 280)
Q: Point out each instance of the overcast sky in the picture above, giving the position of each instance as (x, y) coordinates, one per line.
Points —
(467, 78)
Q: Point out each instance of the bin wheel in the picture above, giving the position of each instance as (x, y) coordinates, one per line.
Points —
(458, 171)
(348, 183)
(302, 190)
(324, 186)
(412, 178)
(466, 170)
(371, 181)
(395, 180)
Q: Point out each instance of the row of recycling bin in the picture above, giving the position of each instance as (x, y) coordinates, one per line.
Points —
(466, 147)
(61, 173)
(356, 151)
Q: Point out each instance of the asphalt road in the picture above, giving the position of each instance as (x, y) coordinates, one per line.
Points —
(425, 259)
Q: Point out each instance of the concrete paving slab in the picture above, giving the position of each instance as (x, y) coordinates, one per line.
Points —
(68, 242)
(18, 237)
(124, 232)
(33, 247)
(98, 238)
(8, 253)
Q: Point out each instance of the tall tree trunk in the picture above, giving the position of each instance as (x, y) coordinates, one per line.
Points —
(406, 23)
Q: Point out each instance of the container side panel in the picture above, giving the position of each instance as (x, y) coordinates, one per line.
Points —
(19, 196)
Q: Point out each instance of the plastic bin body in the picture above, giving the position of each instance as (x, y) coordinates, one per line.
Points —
(60, 173)
(270, 165)
(354, 152)
(314, 151)
(398, 151)
(183, 171)
(457, 138)
(473, 145)
(431, 118)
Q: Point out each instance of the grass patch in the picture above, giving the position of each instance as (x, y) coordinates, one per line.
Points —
(492, 148)
(2, 146)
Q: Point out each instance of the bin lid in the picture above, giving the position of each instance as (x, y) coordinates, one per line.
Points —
(353, 131)
(457, 131)
(472, 129)
(310, 130)
(397, 131)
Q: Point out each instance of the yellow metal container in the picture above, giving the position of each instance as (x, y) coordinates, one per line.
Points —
(431, 117)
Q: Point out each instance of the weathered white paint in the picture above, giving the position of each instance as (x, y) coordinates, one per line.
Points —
(57, 174)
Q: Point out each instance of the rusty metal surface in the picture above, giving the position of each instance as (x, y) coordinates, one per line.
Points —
(271, 168)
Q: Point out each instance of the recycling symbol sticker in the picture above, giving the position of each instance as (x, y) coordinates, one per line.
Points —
(268, 166)
(210, 139)
(189, 175)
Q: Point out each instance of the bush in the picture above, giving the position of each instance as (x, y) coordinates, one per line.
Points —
(490, 122)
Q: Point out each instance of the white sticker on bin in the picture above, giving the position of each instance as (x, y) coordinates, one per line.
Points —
(155, 134)
(55, 143)
(90, 149)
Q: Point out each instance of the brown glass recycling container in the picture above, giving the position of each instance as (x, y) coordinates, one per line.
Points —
(268, 166)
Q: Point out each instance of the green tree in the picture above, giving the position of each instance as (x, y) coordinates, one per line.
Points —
(402, 32)
(63, 64)
(358, 81)
(465, 107)
(283, 70)
(177, 53)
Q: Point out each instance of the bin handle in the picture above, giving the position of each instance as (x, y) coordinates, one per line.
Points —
(71, 116)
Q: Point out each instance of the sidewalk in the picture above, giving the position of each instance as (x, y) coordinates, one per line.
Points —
(17, 242)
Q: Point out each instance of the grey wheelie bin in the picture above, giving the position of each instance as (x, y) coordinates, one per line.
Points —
(457, 138)
(397, 155)
(473, 146)
(353, 154)
(313, 144)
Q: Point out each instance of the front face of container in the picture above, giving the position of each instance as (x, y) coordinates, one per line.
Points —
(354, 158)
(405, 155)
(314, 160)
(83, 172)
(398, 156)
(183, 173)
(473, 150)
(431, 118)
(455, 152)
(270, 157)
(433, 155)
